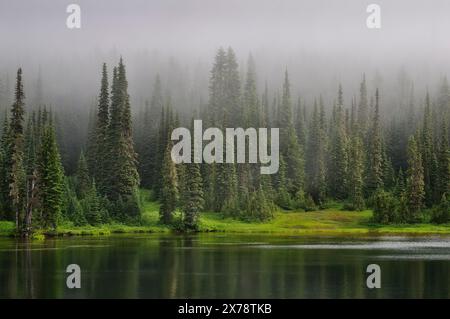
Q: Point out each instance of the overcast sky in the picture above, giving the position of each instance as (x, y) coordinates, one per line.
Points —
(317, 39)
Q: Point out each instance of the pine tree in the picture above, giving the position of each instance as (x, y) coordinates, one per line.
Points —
(375, 154)
(50, 179)
(122, 175)
(355, 180)
(169, 190)
(16, 151)
(444, 163)
(315, 158)
(83, 181)
(338, 155)
(192, 196)
(428, 154)
(93, 206)
(97, 167)
(415, 186)
(363, 106)
(149, 149)
(290, 149)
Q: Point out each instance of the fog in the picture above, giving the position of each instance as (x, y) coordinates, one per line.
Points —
(321, 43)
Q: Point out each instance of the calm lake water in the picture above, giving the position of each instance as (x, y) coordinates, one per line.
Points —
(225, 266)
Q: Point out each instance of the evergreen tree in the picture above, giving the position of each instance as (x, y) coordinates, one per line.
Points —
(428, 154)
(93, 206)
(97, 165)
(50, 179)
(122, 175)
(375, 155)
(169, 191)
(444, 162)
(192, 196)
(83, 181)
(355, 180)
(415, 186)
(15, 153)
(315, 158)
(290, 149)
(338, 155)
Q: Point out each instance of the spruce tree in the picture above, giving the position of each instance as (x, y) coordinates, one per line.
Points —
(356, 169)
(415, 185)
(97, 167)
(375, 154)
(338, 152)
(15, 153)
(290, 149)
(169, 191)
(192, 196)
(444, 162)
(428, 154)
(83, 181)
(50, 179)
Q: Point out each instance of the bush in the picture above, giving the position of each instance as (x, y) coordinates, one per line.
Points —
(441, 213)
(385, 207)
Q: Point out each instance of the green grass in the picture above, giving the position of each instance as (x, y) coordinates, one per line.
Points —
(6, 228)
(331, 221)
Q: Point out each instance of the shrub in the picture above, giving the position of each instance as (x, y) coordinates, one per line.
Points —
(385, 207)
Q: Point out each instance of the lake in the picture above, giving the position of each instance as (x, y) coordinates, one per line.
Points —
(225, 266)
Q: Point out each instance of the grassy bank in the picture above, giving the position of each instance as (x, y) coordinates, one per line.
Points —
(333, 221)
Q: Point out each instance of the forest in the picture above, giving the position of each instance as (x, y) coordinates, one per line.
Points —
(351, 152)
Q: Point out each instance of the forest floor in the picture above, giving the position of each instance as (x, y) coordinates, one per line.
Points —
(331, 222)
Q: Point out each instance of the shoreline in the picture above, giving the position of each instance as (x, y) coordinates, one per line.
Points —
(318, 223)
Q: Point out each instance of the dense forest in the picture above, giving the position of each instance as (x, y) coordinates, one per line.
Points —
(351, 152)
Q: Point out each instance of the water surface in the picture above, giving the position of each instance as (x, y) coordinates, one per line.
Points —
(225, 266)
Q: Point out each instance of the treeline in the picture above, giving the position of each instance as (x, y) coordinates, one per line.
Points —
(398, 167)
(34, 191)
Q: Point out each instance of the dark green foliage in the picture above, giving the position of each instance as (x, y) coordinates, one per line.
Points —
(355, 174)
(375, 154)
(441, 213)
(50, 182)
(415, 186)
(169, 191)
(385, 207)
(93, 207)
(192, 198)
(338, 152)
(428, 155)
(15, 153)
(83, 181)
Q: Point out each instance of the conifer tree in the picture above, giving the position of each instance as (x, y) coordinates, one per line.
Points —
(122, 175)
(415, 186)
(15, 153)
(428, 154)
(444, 162)
(83, 181)
(363, 106)
(356, 168)
(290, 149)
(169, 190)
(375, 154)
(338, 153)
(192, 196)
(50, 179)
(97, 167)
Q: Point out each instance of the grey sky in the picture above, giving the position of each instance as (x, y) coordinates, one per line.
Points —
(321, 41)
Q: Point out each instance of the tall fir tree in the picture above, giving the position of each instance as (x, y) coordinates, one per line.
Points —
(169, 191)
(415, 185)
(374, 179)
(50, 179)
(15, 153)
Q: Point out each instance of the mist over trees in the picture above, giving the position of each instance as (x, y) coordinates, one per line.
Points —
(369, 152)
